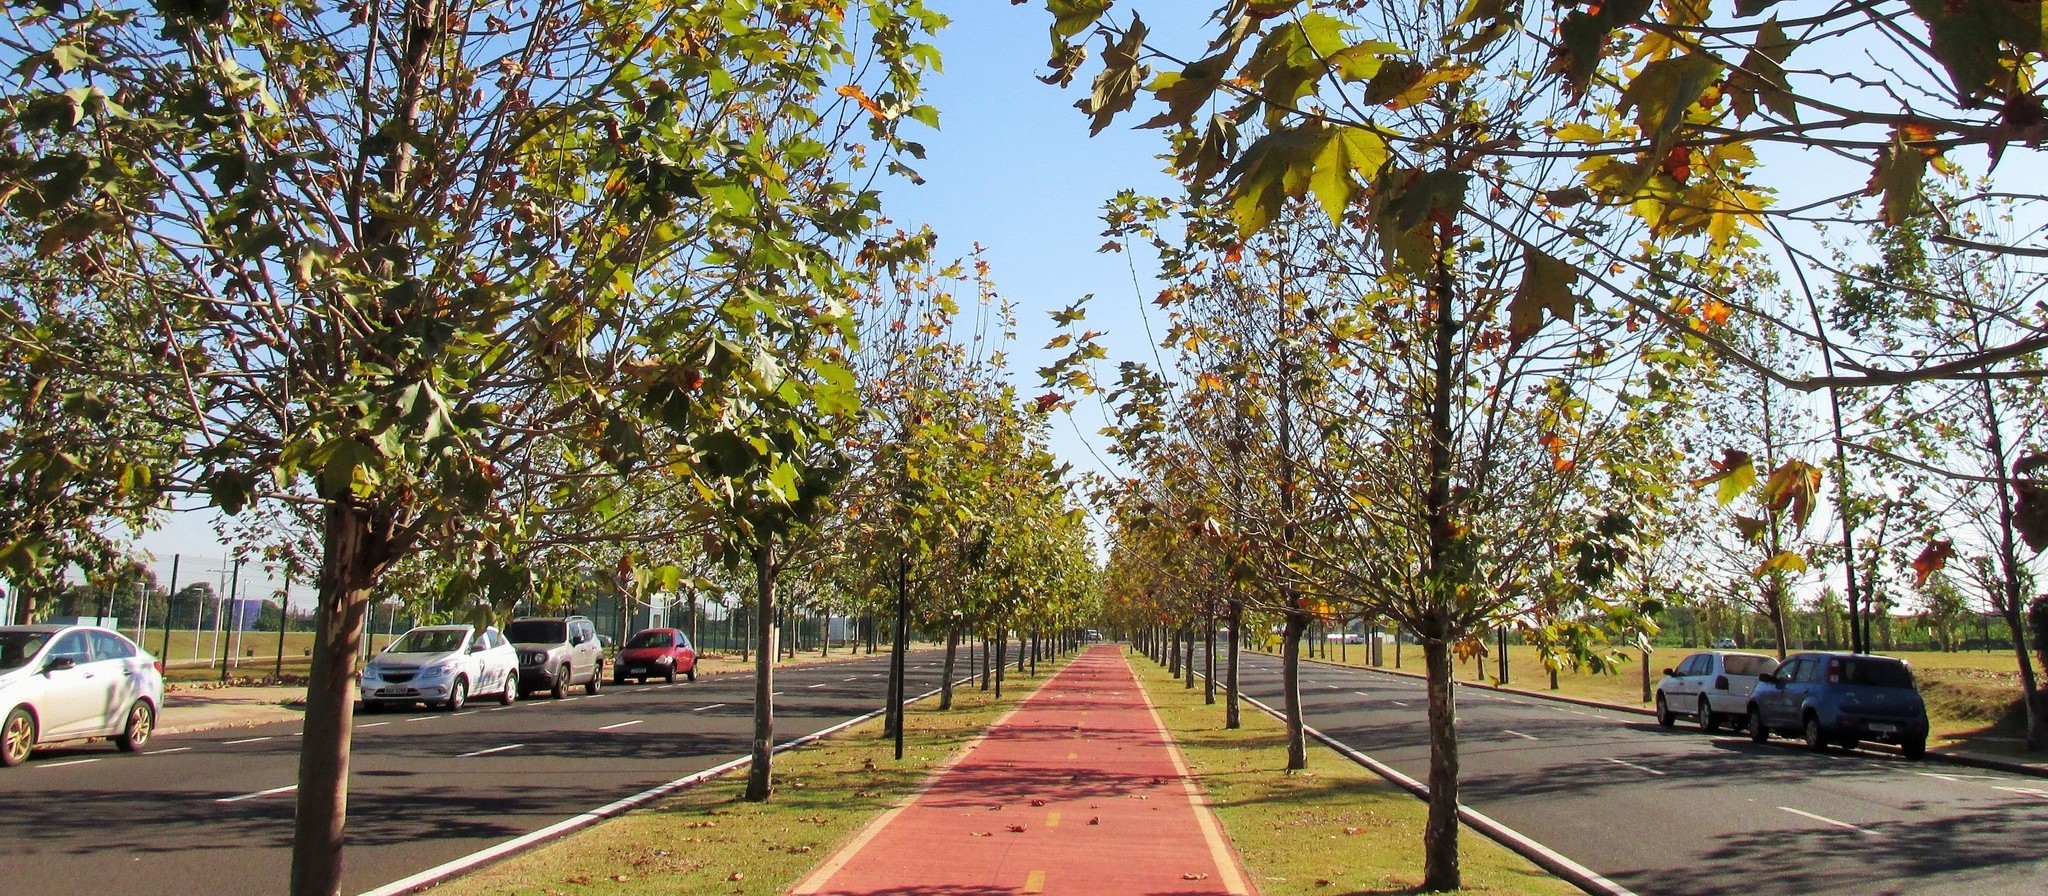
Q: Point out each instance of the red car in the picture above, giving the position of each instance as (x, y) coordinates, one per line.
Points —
(663, 652)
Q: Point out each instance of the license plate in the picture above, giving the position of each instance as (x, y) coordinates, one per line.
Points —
(638, 669)
(1884, 728)
(393, 692)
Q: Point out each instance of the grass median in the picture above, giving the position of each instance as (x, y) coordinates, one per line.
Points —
(706, 839)
(1333, 829)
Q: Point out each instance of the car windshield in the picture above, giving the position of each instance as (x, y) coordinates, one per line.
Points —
(1749, 665)
(17, 648)
(1875, 673)
(428, 640)
(651, 639)
(537, 631)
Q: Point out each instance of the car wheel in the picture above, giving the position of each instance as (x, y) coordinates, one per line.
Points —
(1815, 741)
(1758, 732)
(141, 724)
(596, 681)
(17, 737)
(560, 688)
(1664, 716)
(670, 675)
(510, 693)
(1708, 723)
(693, 672)
(458, 694)
(1914, 749)
(641, 680)
(619, 678)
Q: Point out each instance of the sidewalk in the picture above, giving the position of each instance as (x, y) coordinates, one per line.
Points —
(190, 708)
(1078, 791)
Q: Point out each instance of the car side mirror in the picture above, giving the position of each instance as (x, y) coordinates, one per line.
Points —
(1670, 673)
(59, 664)
(1767, 678)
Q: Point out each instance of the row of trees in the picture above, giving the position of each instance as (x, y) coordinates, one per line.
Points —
(1470, 300)
(469, 304)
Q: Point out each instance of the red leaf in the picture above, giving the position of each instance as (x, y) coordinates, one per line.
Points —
(1932, 558)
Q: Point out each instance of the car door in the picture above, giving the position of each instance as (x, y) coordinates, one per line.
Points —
(507, 660)
(72, 698)
(1772, 697)
(588, 650)
(113, 658)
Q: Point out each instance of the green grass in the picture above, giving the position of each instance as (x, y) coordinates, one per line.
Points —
(706, 839)
(1333, 829)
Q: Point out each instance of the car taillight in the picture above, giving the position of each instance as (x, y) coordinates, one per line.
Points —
(1834, 671)
(159, 664)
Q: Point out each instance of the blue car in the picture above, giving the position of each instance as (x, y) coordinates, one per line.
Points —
(1840, 698)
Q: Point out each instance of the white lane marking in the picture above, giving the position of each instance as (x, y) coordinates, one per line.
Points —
(1521, 735)
(422, 718)
(171, 750)
(1398, 703)
(1953, 778)
(1825, 820)
(72, 762)
(619, 725)
(703, 708)
(776, 694)
(372, 725)
(1640, 768)
(1334, 687)
(596, 695)
(852, 678)
(250, 796)
(2025, 791)
(246, 740)
(813, 687)
(489, 751)
(570, 699)
(469, 712)
(501, 708)
(1361, 693)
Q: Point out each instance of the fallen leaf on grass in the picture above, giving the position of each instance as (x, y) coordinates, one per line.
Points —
(1354, 831)
(622, 878)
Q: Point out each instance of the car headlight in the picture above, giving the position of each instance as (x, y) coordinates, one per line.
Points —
(536, 657)
(664, 659)
(437, 670)
(371, 671)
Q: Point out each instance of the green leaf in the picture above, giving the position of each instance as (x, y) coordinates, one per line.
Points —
(1761, 77)
(1970, 39)
(1117, 85)
(1546, 288)
(1663, 91)
(1346, 151)
(1187, 92)
(1899, 175)
(1783, 561)
(1273, 169)
(1071, 17)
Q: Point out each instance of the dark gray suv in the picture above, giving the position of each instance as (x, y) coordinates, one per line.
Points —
(556, 653)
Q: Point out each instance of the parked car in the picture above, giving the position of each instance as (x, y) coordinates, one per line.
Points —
(557, 653)
(444, 665)
(1093, 635)
(1724, 643)
(1843, 699)
(1711, 686)
(663, 652)
(71, 682)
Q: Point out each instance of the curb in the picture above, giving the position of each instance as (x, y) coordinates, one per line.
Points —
(490, 854)
(1548, 859)
(1967, 760)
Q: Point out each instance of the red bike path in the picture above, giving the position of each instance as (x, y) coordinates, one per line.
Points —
(1079, 790)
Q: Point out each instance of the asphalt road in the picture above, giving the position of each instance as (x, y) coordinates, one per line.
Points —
(1674, 812)
(209, 814)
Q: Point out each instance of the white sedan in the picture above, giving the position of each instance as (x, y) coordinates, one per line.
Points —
(442, 664)
(72, 682)
(1710, 686)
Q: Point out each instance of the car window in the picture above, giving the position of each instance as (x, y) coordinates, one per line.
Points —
(683, 641)
(1809, 670)
(16, 648)
(537, 631)
(650, 639)
(423, 640)
(1748, 665)
(110, 646)
(1787, 672)
(586, 630)
(1873, 673)
(1700, 664)
(72, 645)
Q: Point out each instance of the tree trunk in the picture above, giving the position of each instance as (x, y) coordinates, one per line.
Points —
(1440, 833)
(356, 547)
(1002, 658)
(1230, 703)
(1187, 660)
(946, 682)
(1209, 654)
(900, 658)
(760, 782)
(1290, 681)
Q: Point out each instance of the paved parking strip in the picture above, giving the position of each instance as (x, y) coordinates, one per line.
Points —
(210, 813)
(1674, 812)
